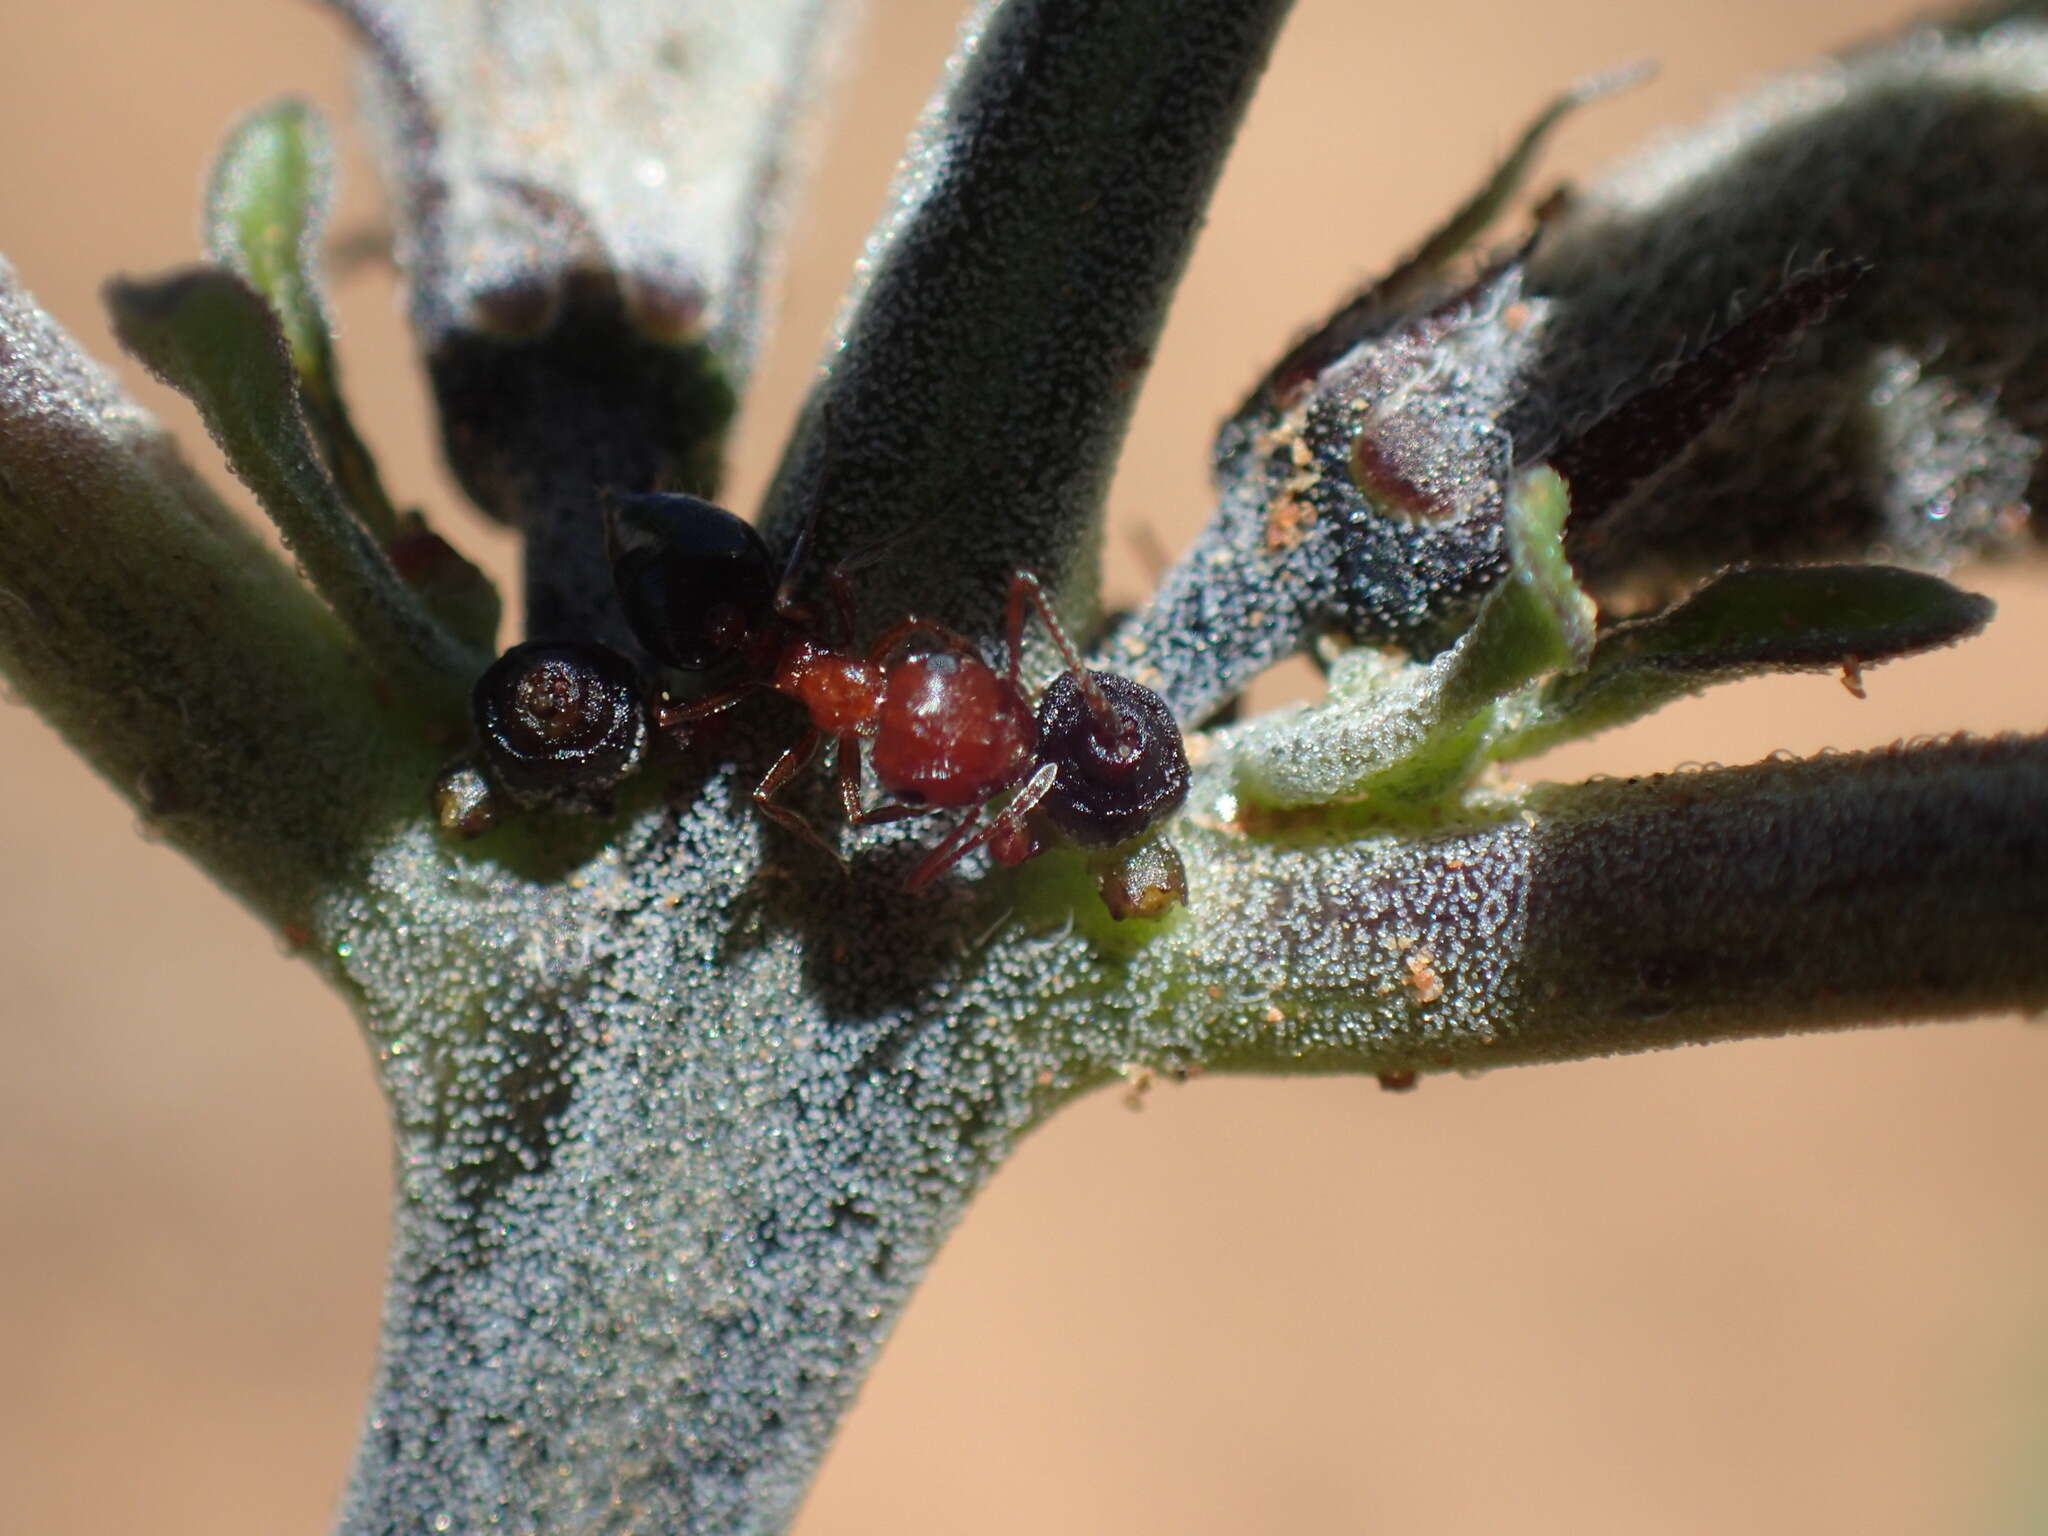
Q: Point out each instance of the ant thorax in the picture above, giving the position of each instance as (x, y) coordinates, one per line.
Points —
(841, 692)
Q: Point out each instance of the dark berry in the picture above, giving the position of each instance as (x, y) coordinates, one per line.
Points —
(561, 723)
(697, 583)
(1121, 770)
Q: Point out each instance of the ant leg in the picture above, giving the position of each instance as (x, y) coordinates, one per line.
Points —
(800, 550)
(894, 636)
(786, 603)
(842, 601)
(963, 840)
(1025, 588)
(849, 791)
(849, 778)
(1009, 836)
(956, 847)
(787, 767)
(840, 581)
(670, 717)
(674, 713)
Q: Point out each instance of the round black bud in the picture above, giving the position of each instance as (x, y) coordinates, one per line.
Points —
(561, 722)
(697, 583)
(1120, 773)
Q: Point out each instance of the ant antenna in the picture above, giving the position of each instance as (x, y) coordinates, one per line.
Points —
(966, 837)
(800, 550)
(806, 534)
(1025, 587)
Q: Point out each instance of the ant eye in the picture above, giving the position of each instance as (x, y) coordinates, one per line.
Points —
(1118, 776)
(561, 723)
(696, 582)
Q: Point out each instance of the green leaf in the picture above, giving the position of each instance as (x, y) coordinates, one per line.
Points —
(210, 336)
(1746, 622)
(158, 632)
(266, 203)
(1537, 620)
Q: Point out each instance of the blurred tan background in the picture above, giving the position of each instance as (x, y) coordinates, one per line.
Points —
(1783, 1287)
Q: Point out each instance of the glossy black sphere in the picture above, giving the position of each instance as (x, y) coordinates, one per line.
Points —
(1112, 784)
(696, 582)
(561, 723)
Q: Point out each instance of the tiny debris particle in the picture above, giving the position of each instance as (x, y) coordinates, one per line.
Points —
(157, 792)
(1287, 523)
(1044, 1077)
(1397, 1082)
(1274, 1015)
(463, 803)
(1423, 978)
(1852, 676)
(1140, 1081)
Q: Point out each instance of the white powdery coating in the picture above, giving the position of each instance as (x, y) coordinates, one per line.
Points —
(677, 1139)
(666, 1181)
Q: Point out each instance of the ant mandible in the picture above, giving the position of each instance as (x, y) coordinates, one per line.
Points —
(1100, 759)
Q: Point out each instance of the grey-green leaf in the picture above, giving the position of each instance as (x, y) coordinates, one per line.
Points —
(1745, 622)
(266, 202)
(210, 335)
(152, 627)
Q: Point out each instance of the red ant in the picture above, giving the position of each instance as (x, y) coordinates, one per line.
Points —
(1100, 758)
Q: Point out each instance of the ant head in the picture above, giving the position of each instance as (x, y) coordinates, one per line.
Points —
(697, 583)
(561, 723)
(1119, 776)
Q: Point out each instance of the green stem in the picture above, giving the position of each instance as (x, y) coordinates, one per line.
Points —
(1582, 920)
